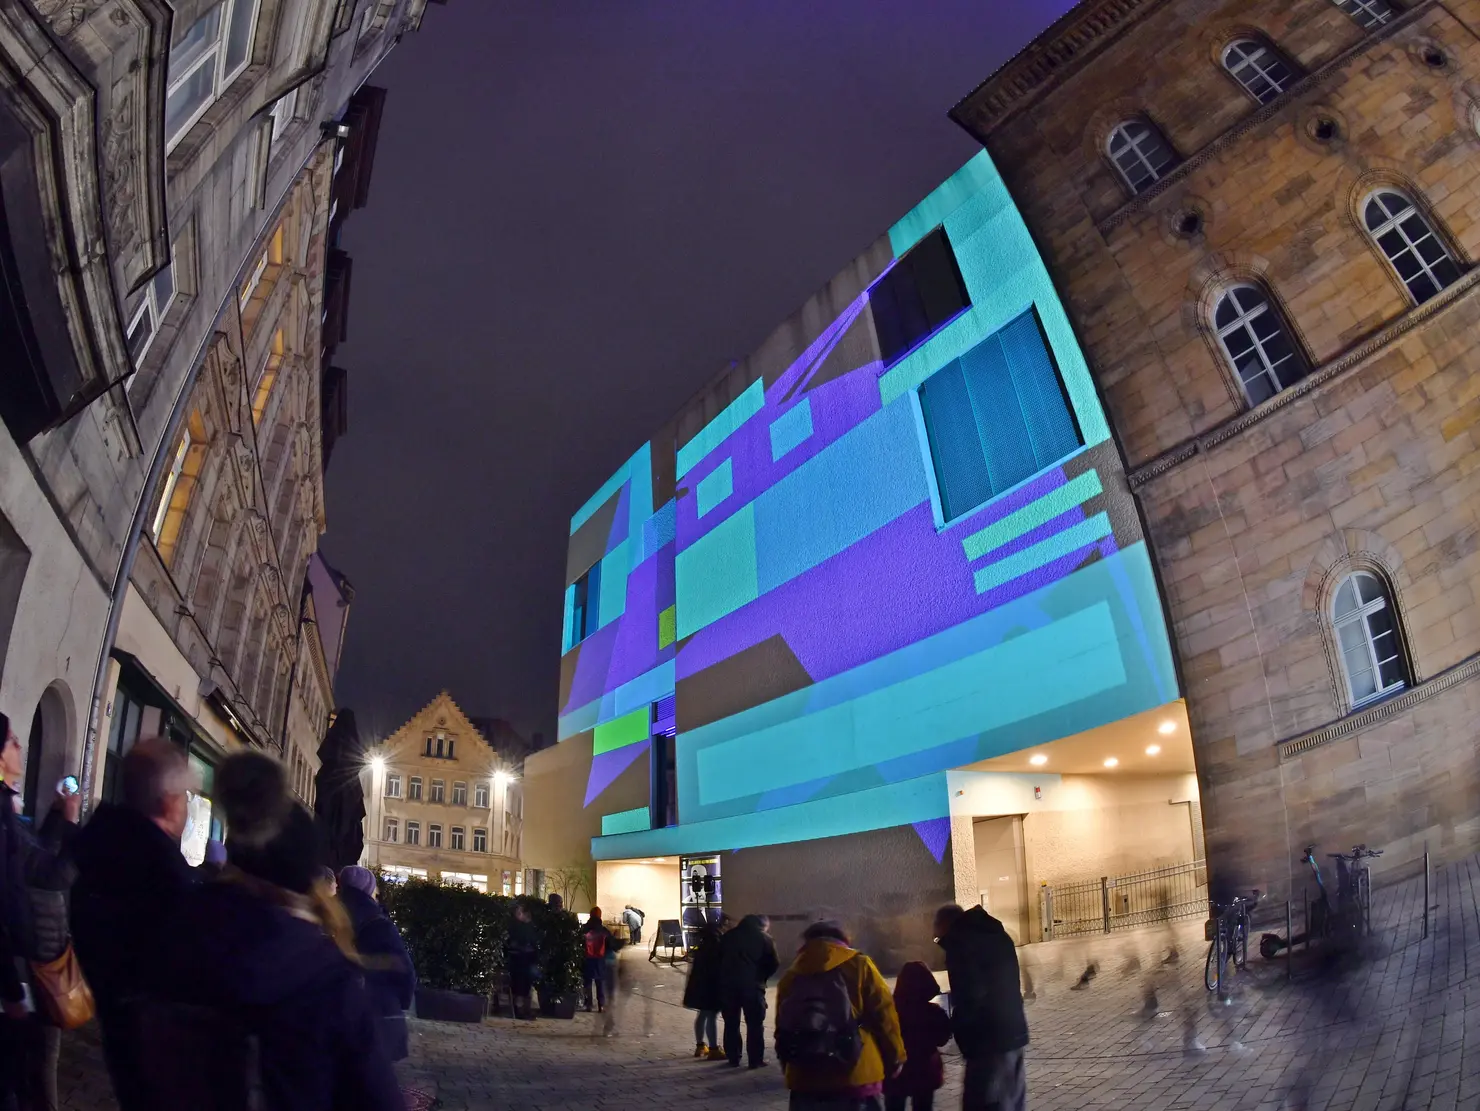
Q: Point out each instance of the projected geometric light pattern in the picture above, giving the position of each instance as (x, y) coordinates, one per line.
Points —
(870, 575)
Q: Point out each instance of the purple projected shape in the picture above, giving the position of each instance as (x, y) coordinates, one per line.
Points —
(620, 523)
(936, 833)
(589, 682)
(606, 766)
(635, 650)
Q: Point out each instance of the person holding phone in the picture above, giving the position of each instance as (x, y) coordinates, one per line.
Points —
(29, 864)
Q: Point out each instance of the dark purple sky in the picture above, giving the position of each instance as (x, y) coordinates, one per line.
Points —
(580, 213)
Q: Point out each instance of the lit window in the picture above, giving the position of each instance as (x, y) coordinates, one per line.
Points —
(996, 416)
(480, 796)
(393, 786)
(283, 110)
(413, 833)
(480, 840)
(268, 376)
(1410, 244)
(1141, 154)
(920, 294)
(459, 794)
(413, 788)
(1370, 14)
(179, 486)
(1263, 73)
(392, 827)
(210, 56)
(154, 302)
(434, 837)
(457, 838)
(272, 255)
(1371, 656)
(1257, 343)
(439, 790)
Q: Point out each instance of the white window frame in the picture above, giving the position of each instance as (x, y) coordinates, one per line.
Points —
(480, 796)
(438, 791)
(459, 794)
(480, 835)
(1395, 223)
(1359, 617)
(413, 833)
(434, 835)
(393, 785)
(1370, 14)
(413, 788)
(458, 839)
(214, 56)
(177, 467)
(154, 307)
(1142, 139)
(284, 112)
(377, 15)
(1247, 60)
(392, 831)
(1244, 322)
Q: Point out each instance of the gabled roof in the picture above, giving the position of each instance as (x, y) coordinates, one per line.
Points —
(441, 712)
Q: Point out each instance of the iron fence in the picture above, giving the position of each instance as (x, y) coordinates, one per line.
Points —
(1124, 902)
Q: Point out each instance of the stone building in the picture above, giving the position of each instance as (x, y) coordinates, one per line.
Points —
(1263, 218)
(179, 160)
(443, 802)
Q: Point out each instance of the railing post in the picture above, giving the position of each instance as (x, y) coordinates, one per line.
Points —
(1426, 890)
(1045, 911)
(1105, 900)
(1289, 942)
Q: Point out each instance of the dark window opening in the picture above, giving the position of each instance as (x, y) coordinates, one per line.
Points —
(664, 807)
(586, 609)
(922, 292)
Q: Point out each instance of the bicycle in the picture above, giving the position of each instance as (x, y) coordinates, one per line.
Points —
(1230, 941)
(1352, 912)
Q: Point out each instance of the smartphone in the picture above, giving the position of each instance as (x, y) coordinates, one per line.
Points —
(68, 785)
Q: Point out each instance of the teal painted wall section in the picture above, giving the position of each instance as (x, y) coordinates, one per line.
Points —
(718, 574)
(722, 427)
(628, 821)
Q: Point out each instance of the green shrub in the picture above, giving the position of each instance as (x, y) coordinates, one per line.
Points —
(456, 936)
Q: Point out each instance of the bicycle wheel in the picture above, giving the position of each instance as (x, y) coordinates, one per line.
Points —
(1217, 957)
(1241, 946)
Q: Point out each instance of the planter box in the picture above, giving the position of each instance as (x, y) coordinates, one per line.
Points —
(449, 1006)
(553, 1005)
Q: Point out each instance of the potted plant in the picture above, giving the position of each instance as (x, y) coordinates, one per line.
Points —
(447, 933)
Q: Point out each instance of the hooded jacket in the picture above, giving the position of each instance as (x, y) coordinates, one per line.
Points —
(925, 1028)
(389, 976)
(878, 1023)
(747, 959)
(702, 991)
(986, 988)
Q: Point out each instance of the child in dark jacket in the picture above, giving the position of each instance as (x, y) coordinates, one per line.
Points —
(925, 1027)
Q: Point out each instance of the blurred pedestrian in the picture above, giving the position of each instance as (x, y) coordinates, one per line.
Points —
(35, 871)
(611, 979)
(837, 1030)
(747, 962)
(593, 967)
(987, 1014)
(633, 919)
(555, 901)
(925, 1027)
(264, 996)
(389, 975)
(330, 882)
(131, 876)
(702, 992)
(522, 959)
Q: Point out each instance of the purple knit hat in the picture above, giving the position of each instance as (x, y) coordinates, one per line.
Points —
(361, 879)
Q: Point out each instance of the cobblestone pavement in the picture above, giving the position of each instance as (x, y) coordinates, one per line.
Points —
(1396, 1032)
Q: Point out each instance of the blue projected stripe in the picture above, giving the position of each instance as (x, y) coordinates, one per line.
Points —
(628, 821)
(715, 487)
(1074, 492)
(579, 720)
(722, 427)
(1056, 546)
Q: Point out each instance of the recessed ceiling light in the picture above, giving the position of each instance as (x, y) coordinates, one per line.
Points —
(1038, 760)
(1111, 762)
(1167, 728)
(1153, 750)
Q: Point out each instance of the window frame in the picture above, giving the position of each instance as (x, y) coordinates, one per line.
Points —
(413, 832)
(392, 780)
(1243, 321)
(457, 838)
(481, 796)
(480, 834)
(153, 310)
(434, 835)
(1359, 617)
(1369, 14)
(413, 789)
(1394, 224)
(215, 56)
(459, 793)
(284, 114)
(1122, 129)
(1253, 47)
(437, 791)
(392, 831)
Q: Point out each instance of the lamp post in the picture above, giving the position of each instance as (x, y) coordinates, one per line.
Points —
(377, 794)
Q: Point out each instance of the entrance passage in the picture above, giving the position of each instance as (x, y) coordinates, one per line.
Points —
(1125, 902)
(1001, 873)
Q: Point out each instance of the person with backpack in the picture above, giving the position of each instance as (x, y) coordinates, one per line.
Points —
(593, 968)
(987, 1014)
(702, 992)
(633, 919)
(389, 973)
(747, 960)
(837, 1032)
(925, 1027)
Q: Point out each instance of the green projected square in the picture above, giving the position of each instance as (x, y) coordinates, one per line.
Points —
(625, 730)
(667, 626)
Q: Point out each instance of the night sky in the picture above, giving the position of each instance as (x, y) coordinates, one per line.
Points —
(580, 213)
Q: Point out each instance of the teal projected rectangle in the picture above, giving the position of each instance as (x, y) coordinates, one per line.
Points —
(1055, 547)
(722, 427)
(791, 429)
(628, 821)
(715, 487)
(1059, 501)
(717, 575)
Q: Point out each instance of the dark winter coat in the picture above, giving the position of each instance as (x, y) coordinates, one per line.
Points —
(267, 978)
(925, 1027)
(27, 861)
(130, 878)
(702, 992)
(389, 976)
(986, 989)
(747, 959)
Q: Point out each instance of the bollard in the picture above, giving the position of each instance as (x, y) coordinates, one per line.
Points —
(1425, 893)
(1105, 900)
(1289, 942)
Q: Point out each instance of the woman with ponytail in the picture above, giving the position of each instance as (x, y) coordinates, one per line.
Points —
(267, 999)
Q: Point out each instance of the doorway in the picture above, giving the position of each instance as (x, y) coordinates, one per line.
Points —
(1001, 872)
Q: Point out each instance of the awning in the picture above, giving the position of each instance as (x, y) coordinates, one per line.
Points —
(146, 685)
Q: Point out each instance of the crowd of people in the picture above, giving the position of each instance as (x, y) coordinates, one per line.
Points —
(259, 978)
(845, 1041)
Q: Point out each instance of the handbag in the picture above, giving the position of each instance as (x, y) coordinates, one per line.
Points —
(62, 993)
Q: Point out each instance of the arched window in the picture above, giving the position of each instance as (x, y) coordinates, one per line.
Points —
(1371, 654)
(1141, 154)
(1257, 343)
(1263, 74)
(1410, 243)
(1370, 14)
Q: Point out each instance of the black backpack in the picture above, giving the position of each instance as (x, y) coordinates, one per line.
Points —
(815, 1024)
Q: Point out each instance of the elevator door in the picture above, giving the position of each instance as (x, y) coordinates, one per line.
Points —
(1000, 873)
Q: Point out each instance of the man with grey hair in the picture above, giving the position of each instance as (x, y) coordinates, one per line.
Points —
(130, 875)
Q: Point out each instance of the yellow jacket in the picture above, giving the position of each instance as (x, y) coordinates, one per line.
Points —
(883, 1048)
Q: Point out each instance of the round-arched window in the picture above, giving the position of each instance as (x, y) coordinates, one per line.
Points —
(1367, 635)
